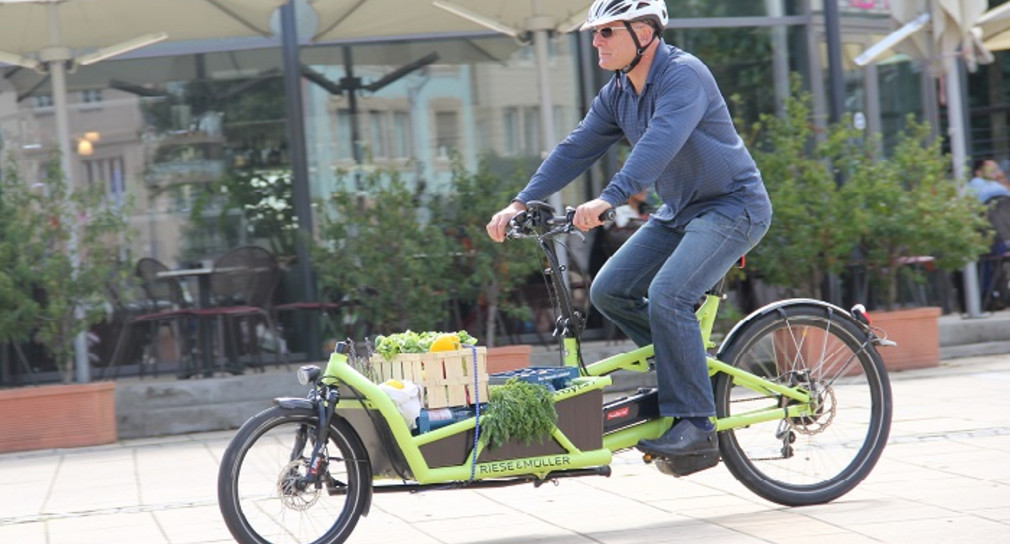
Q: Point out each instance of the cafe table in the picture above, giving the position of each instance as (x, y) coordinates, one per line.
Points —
(202, 275)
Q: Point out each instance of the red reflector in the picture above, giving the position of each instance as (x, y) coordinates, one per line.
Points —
(619, 413)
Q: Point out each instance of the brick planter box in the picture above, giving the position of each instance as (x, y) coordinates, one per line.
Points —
(505, 358)
(57, 416)
(917, 332)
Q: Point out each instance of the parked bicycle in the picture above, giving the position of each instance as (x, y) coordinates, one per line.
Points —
(803, 414)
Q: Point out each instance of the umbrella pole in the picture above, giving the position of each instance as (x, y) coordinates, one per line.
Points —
(540, 37)
(56, 58)
(955, 128)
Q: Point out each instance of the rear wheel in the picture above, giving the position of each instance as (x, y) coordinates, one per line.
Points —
(817, 458)
(261, 484)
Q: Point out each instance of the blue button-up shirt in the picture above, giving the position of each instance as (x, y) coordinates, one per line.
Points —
(683, 143)
(985, 189)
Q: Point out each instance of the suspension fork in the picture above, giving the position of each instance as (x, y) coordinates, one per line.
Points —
(324, 408)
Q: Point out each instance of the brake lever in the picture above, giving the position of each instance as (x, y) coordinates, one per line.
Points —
(514, 229)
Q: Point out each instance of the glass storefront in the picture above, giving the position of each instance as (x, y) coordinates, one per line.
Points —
(171, 127)
(198, 142)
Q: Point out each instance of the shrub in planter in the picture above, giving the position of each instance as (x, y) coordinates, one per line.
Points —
(813, 231)
(59, 253)
(910, 206)
(487, 273)
(884, 209)
(379, 247)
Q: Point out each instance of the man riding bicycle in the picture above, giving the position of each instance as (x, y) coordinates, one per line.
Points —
(715, 206)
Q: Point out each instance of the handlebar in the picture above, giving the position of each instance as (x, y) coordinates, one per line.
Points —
(539, 221)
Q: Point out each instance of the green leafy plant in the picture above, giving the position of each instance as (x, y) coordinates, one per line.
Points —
(59, 253)
(911, 206)
(487, 273)
(815, 225)
(391, 345)
(838, 203)
(378, 248)
(263, 199)
(518, 411)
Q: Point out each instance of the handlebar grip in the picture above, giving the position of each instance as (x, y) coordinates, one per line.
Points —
(608, 215)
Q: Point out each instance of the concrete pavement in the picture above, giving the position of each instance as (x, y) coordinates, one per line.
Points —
(945, 477)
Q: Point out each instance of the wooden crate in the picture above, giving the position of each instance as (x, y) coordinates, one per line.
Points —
(446, 377)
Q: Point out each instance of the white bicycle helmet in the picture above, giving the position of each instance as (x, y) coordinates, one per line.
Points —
(609, 11)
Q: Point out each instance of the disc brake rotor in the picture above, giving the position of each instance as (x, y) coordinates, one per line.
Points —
(291, 489)
(818, 422)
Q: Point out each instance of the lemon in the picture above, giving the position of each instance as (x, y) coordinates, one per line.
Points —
(445, 342)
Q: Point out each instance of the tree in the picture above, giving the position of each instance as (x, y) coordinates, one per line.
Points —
(59, 254)
(913, 207)
(487, 273)
(378, 247)
(814, 226)
(838, 203)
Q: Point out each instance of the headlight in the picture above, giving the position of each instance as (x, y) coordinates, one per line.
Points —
(308, 374)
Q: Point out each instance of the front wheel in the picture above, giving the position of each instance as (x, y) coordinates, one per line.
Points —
(816, 458)
(262, 489)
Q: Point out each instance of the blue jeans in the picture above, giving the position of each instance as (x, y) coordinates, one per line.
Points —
(653, 282)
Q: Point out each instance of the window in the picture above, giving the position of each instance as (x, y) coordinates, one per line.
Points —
(531, 131)
(91, 96)
(510, 130)
(108, 173)
(344, 134)
(43, 100)
(377, 134)
(446, 133)
(401, 135)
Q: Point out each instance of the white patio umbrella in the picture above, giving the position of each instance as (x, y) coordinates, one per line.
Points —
(49, 35)
(995, 27)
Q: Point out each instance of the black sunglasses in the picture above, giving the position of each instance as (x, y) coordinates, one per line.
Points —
(607, 31)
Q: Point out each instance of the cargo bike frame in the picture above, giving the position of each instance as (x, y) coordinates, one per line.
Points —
(803, 413)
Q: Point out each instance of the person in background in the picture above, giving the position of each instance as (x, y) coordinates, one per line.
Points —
(715, 207)
(988, 182)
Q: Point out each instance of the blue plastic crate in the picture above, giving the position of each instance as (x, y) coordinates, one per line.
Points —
(554, 377)
(429, 420)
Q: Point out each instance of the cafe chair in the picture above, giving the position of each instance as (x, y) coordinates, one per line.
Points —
(993, 266)
(242, 286)
(165, 307)
(328, 310)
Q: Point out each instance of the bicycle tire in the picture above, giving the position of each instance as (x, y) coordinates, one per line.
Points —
(829, 453)
(265, 454)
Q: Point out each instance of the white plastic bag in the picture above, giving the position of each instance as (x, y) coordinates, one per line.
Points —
(407, 397)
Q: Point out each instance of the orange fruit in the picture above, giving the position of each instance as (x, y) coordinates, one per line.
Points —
(445, 342)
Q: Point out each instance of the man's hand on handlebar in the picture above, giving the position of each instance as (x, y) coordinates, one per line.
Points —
(499, 223)
(591, 214)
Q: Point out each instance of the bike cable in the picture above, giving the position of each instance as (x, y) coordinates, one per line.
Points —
(572, 326)
(476, 416)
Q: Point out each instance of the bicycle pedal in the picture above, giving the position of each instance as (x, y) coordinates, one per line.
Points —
(685, 465)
